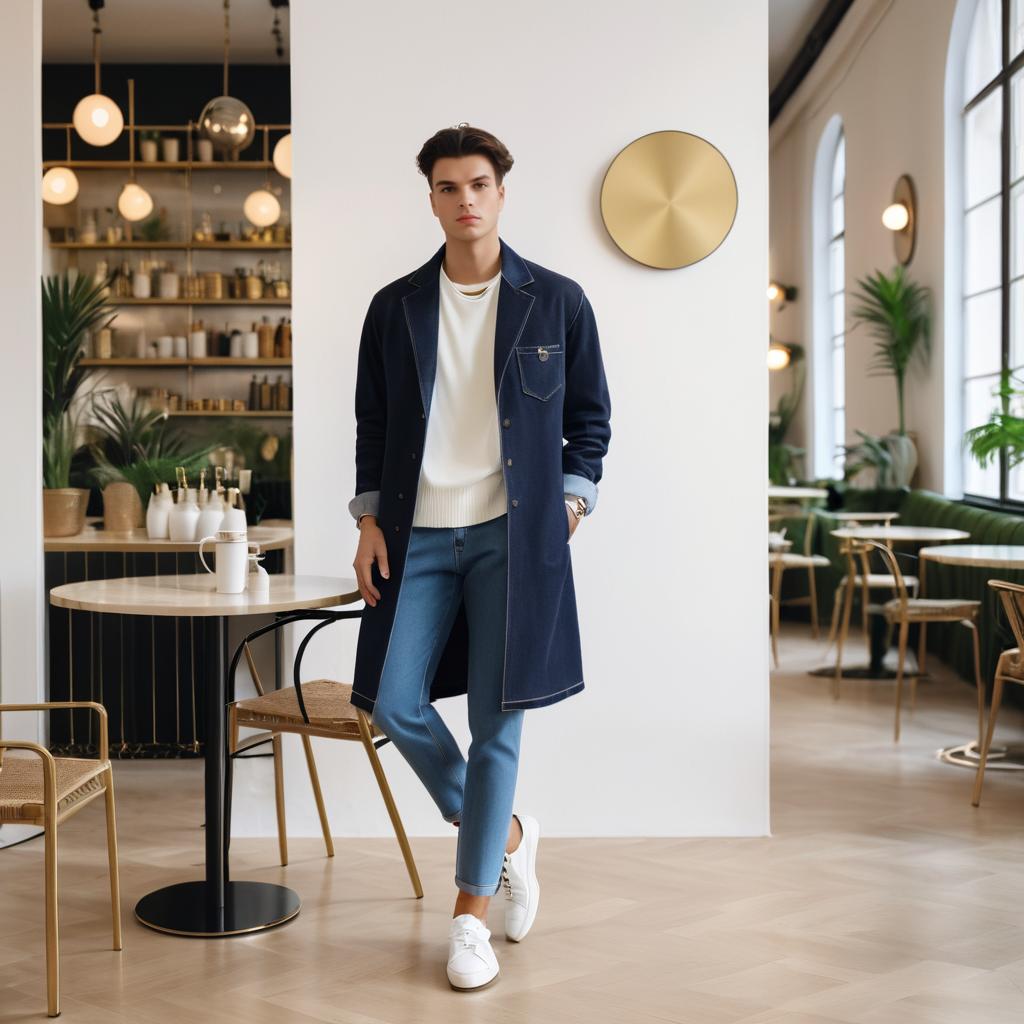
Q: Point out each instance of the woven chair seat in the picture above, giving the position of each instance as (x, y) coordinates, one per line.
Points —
(794, 560)
(951, 609)
(879, 579)
(328, 705)
(21, 785)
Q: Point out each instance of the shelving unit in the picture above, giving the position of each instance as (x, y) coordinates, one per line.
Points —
(207, 362)
(279, 303)
(184, 369)
(248, 413)
(175, 246)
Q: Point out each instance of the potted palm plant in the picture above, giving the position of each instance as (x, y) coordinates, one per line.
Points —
(71, 308)
(133, 451)
(898, 313)
(1004, 430)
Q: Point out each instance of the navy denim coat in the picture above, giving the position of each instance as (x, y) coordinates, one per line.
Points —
(550, 385)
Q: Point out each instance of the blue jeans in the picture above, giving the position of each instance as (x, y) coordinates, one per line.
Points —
(442, 565)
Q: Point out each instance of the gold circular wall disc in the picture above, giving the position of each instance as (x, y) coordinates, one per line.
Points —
(669, 199)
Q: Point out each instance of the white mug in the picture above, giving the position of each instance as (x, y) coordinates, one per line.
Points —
(232, 550)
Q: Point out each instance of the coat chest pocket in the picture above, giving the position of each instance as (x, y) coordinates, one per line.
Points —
(541, 369)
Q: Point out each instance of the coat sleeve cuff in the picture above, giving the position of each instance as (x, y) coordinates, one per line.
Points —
(367, 501)
(580, 485)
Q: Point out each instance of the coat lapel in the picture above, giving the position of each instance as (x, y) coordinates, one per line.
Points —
(422, 315)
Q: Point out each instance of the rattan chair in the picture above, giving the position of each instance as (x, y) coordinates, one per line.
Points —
(783, 561)
(321, 707)
(1009, 669)
(43, 790)
(903, 611)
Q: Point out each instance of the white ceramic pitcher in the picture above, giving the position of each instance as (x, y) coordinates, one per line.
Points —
(232, 551)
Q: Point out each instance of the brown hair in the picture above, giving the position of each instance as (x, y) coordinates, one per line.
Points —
(463, 140)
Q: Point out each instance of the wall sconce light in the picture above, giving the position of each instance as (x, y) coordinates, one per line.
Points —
(779, 356)
(781, 292)
(900, 217)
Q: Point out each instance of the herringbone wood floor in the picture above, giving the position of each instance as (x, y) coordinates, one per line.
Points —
(882, 897)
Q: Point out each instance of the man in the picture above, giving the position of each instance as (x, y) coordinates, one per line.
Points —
(471, 373)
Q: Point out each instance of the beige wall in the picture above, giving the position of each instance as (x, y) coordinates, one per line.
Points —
(883, 73)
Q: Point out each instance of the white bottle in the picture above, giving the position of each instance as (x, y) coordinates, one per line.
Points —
(181, 523)
(234, 517)
(211, 512)
(157, 512)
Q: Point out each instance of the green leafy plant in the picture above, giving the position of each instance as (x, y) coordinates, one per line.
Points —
(898, 312)
(70, 309)
(134, 444)
(59, 447)
(783, 458)
(155, 228)
(871, 453)
(1003, 432)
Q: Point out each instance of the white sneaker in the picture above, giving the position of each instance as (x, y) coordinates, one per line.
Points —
(471, 961)
(519, 879)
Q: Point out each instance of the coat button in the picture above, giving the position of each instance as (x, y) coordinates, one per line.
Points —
(396, 529)
(400, 495)
(506, 423)
(414, 455)
(515, 502)
(508, 462)
(423, 415)
(542, 355)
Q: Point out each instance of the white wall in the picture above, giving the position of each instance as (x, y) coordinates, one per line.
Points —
(883, 73)
(670, 735)
(21, 524)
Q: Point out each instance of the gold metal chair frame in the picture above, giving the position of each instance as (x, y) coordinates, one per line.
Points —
(780, 561)
(903, 610)
(44, 790)
(1009, 669)
(279, 711)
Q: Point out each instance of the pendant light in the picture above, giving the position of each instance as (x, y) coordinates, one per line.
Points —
(97, 118)
(262, 208)
(283, 156)
(60, 186)
(134, 202)
(227, 122)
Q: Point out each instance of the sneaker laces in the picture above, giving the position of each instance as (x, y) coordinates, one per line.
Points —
(469, 936)
(506, 881)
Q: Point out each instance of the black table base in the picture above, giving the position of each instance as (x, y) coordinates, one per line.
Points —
(186, 909)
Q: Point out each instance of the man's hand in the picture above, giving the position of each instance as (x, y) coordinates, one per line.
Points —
(372, 547)
(573, 521)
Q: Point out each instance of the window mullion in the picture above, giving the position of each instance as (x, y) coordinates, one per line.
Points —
(1006, 142)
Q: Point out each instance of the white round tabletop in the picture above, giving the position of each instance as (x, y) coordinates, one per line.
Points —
(912, 534)
(864, 517)
(984, 556)
(782, 491)
(188, 596)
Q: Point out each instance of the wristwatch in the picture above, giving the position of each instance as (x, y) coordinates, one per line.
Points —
(577, 506)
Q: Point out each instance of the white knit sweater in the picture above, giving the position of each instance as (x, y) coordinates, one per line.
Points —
(461, 479)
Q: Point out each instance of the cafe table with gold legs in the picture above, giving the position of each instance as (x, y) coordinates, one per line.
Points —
(887, 534)
(215, 905)
(1007, 557)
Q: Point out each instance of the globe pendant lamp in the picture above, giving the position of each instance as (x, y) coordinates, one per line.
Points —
(227, 122)
(134, 202)
(60, 186)
(97, 118)
(283, 156)
(261, 207)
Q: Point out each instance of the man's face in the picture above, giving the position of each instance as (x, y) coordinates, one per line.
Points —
(464, 188)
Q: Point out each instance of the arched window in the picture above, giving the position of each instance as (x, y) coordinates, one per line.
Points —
(988, 327)
(829, 367)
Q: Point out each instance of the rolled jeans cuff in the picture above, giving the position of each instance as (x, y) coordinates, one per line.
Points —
(477, 890)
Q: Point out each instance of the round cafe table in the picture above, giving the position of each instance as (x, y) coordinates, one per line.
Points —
(214, 906)
(887, 534)
(981, 556)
